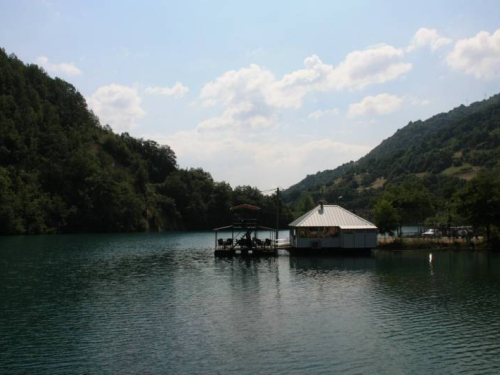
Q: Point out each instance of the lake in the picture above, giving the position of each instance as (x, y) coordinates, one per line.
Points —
(161, 303)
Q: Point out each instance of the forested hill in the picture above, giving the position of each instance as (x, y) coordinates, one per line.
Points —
(442, 152)
(62, 171)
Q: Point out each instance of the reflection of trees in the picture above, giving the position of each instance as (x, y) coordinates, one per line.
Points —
(335, 283)
(247, 278)
(411, 305)
(450, 298)
(326, 263)
(407, 284)
(61, 296)
(448, 277)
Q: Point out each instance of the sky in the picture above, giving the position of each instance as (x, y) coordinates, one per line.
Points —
(262, 93)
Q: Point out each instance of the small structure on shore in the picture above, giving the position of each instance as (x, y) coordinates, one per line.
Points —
(244, 233)
(331, 227)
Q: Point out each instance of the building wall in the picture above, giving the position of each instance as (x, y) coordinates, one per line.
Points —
(347, 239)
(322, 242)
(372, 238)
(359, 239)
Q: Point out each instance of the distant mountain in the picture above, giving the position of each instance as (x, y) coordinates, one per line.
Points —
(443, 152)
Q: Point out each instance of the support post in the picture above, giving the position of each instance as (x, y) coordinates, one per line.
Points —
(277, 216)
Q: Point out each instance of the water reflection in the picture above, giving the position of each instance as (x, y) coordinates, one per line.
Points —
(445, 306)
(323, 263)
(162, 303)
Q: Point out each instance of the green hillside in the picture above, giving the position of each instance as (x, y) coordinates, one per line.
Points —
(441, 154)
(61, 170)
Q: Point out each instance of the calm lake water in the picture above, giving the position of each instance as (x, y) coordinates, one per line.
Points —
(161, 303)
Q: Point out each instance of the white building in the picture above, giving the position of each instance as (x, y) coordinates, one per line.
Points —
(331, 226)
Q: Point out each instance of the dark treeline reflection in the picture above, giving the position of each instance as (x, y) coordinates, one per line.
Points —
(162, 303)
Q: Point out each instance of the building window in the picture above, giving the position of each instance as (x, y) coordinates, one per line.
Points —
(310, 232)
(330, 232)
(314, 232)
(318, 232)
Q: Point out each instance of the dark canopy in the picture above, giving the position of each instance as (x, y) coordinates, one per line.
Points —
(245, 207)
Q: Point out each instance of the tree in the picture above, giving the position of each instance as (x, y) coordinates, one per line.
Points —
(306, 203)
(385, 216)
(479, 201)
(411, 199)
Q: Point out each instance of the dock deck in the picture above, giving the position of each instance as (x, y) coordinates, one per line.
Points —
(269, 250)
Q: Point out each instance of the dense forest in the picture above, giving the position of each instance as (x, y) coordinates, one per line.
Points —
(62, 171)
(442, 171)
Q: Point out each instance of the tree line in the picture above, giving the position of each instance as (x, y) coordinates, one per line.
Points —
(62, 171)
(477, 204)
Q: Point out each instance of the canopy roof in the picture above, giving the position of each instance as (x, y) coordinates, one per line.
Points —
(332, 216)
(233, 226)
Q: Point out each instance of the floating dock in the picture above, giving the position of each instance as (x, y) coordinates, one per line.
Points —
(244, 235)
(273, 251)
(256, 248)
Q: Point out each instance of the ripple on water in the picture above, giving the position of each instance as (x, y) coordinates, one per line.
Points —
(161, 303)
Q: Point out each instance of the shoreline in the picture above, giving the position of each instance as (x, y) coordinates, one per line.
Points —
(434, 244)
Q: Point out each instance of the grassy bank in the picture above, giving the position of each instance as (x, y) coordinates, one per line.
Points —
(441, 243)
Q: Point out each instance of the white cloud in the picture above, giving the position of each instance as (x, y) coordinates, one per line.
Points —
(413, 100)
(428, 37)
(265, 161)
(253, 97)
(177, 91)
(251, 101)
(116, 105)
(381, 104)
(478, 56)
(69, 69)
(243, 95)
(241, 116)
(316, 115)
(237, 86)
(375, 65)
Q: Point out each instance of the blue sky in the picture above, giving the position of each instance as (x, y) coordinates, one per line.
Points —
(263, 92)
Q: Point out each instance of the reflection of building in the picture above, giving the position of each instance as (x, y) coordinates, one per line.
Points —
(330, 226)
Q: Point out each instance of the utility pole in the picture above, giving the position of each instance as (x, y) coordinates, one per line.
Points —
(277, 214)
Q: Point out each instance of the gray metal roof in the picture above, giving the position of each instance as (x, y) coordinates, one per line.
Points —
(332, 216)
